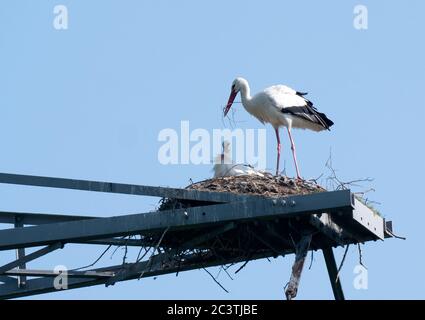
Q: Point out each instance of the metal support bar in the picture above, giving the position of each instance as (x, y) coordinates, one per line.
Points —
(38, 218)
(122, 188)
(21, 261)
(99, 228)
(46, 284)
(55, 273)
(20, 256)
(7, 280)
(116, 242)
(333, 273)
(42, 218)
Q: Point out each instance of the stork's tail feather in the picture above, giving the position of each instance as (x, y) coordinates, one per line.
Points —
(301, 93)
(325, 120)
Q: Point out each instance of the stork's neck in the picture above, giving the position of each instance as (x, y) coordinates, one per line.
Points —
(246, 96)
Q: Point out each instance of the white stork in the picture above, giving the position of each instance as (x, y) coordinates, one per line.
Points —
(224, 167)
(280, 106)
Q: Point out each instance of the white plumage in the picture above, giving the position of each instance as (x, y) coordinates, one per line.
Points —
(281, 106)
(224, 166)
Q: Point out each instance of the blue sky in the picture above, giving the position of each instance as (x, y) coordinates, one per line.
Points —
(89, 102)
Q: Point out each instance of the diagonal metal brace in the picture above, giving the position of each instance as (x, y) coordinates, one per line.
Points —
(30, 257)
(333, 273)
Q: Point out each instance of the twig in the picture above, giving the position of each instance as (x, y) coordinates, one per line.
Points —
(112, 254)
(139, 258)
(284, 168)
(140, 251)
(96, 261)
(371, 202)
(292, 239)
(316, 179)
(396, 236)
(219, 271)
(362, 193)
(311, 260)
(215, 280)
(153, 252)
(244, 264)
(342, 262)
(361, 256)
(179, 263)
(229, 265)
(337, 184)
(227, 272)
(125, 252)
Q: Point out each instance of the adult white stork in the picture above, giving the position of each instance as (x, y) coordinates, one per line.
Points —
(280, 106)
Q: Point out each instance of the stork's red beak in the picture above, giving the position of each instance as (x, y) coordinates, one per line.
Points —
(230, 102)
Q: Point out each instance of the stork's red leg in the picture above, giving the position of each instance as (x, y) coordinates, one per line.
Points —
(278, 150)
(294, 154)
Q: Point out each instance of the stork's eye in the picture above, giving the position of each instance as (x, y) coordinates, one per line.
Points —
(233, 87)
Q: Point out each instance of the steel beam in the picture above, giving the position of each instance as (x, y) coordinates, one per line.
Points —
(116, 242)
(55, 273)
(8, 280)
(98, 228)
(46, 284)
(42, 218)
(333, 273)
(38, 218)
(20, 256)
(123, 188)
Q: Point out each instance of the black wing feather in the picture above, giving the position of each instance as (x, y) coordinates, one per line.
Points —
(309, 113)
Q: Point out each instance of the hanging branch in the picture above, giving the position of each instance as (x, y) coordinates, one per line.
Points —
(227, 272)
(215, 280)
(113, 253)
(243, 266)
(311, 260)
(96, 261)
(139, 258)
(361, 256)
(124, 258)
(342, 262)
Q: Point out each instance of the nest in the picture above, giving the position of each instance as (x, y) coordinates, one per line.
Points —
(267, 186)
(245, 240)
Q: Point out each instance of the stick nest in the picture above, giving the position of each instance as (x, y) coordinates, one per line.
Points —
(267, 186)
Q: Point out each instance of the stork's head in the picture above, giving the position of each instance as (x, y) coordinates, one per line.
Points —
(237, 85)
